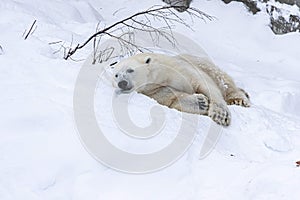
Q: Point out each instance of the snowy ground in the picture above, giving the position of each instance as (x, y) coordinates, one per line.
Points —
(41, 156)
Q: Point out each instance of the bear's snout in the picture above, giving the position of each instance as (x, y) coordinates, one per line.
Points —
(123, 85)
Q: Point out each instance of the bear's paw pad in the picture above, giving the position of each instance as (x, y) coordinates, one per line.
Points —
(202, 102)
(220, 114)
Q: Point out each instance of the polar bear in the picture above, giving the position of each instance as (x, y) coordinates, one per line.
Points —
(185, 82)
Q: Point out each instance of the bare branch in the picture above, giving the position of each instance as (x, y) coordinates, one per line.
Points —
(56, 42)
(1, 50)
(96, 44)
(30, 30)
(140, 21)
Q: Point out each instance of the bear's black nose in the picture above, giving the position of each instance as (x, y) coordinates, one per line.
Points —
(123, 85)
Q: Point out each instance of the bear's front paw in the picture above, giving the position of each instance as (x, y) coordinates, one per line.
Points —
(202, 102)
(239, 97)
(220, 114)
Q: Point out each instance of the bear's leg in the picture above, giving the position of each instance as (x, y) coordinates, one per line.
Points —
(190, 103)
(230, 92)
(193, 103)
(200, 104)
(218, 110)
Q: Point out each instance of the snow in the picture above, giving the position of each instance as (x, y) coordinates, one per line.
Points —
(41, 155)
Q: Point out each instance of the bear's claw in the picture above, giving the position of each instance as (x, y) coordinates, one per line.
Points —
(240, 98)
(239, 102)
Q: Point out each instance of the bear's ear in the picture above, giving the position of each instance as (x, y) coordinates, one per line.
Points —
(147, 60)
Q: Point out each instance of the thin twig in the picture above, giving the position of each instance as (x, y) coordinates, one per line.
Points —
(52, 43)
(1, 50)
(30, 29)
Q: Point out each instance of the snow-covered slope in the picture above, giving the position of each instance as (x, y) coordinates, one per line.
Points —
(41, 156)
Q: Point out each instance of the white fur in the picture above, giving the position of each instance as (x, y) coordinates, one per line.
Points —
(184, 82)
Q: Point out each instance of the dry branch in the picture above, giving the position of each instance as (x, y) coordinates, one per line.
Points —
(133, 22)
(30, 30)
(1, 50)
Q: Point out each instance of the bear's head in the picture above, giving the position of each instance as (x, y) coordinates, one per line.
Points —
(133, 72)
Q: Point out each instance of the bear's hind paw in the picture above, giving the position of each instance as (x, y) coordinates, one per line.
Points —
(239, 102)
(239, 97)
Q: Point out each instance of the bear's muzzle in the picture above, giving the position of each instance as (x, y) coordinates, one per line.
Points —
(124, 85)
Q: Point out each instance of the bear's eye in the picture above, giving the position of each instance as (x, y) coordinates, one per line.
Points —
(116, 75)
(148, 60)
(129, 70)
(113, 63)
